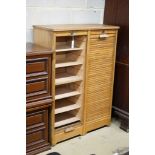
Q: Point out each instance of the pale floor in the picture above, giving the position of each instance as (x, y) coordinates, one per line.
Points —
(104, 141)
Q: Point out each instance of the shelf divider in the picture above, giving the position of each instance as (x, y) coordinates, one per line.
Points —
(64, 78)
(67, 63)
(65, 48)
(64, 93)
(65, 105)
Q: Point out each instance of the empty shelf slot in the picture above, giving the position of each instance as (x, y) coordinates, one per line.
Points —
(65, 105)
(64, 78)
(63, 48)
(65, 118)
(65, 92)
(66, 63)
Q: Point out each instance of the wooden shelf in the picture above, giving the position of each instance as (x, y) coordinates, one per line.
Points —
(64, 78)
(65, 118)
(66, 63)
(64, 93)
(65, 105)
(64, 48)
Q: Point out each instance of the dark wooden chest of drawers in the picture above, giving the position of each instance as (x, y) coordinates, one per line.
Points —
(38, 98)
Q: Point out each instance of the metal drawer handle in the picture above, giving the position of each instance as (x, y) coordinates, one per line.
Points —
(103, 36)
(69, 129)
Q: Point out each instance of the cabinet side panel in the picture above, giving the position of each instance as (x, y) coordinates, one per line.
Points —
(42, 37)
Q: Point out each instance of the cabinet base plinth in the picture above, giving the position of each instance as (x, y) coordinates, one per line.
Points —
(97, 124)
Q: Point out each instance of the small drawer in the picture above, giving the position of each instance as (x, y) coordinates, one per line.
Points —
(37, 88)
(38, 118)
(36, 66)
(37, 131)
(68, 133)
(35, 136)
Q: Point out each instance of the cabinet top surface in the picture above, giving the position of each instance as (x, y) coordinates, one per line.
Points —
(68, 27)
(33, 49)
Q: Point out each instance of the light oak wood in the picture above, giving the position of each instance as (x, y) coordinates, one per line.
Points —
(43, 38)
(63, 78)
(100, 68)
(71, 27)
(65, 105)
(82, 76)
(65, 118)
(89, 126)
(65, 48)
(62, 134)
(65, 92)
(66, 63)
(52, 39)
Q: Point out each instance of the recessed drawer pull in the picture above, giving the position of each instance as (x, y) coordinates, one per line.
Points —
(69, 129)
(103, 36)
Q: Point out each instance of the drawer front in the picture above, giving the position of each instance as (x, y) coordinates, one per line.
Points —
(68, 133)
(36, 137)
(37, 88)
(36, 129)
(36, 66)
(100, 71)
(38, 118)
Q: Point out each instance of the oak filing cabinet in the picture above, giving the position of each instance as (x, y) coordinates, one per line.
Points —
(38, 98)
(82, 74)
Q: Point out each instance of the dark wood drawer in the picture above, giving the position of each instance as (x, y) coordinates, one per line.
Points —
(37, 131)
(37, 88)
(36, 66)
(37, 118)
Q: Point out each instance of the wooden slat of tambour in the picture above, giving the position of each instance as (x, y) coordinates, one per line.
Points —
(99, 114)
(98, 40)
(98, 109)
(102, 93)
(98, 36)
(102, 31)
(108, 44)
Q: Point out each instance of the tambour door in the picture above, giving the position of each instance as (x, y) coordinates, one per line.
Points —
(99, 80)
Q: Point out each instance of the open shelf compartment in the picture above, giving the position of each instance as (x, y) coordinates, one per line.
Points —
(68, 104)
(69, 43)
(68, 90)
(66, 118)
(71, 58)
(68, 75)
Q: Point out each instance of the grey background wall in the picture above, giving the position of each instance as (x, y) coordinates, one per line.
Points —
(62, 12)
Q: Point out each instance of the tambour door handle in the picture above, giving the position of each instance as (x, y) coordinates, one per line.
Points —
(103, 36)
